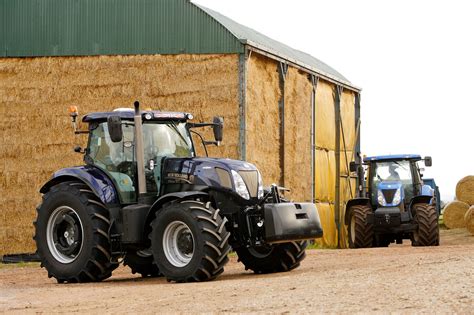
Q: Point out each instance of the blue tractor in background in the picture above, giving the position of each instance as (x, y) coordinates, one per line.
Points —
(393, 203)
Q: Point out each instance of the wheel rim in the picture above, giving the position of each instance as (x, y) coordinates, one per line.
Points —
(352, 229)
(178, 244)
(261, 251)
(64, 234)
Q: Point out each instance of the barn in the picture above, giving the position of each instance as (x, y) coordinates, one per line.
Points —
(289, 113)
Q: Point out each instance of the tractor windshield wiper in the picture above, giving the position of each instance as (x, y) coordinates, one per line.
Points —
(175, 128)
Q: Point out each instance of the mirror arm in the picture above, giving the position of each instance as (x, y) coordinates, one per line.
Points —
(202, 140)
(198, 125)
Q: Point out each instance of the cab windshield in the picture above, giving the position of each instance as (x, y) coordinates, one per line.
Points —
(166, 139)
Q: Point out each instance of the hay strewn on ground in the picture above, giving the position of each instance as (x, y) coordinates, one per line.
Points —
(465, 190)
(453, 215)
(469, 220)
(36, 132)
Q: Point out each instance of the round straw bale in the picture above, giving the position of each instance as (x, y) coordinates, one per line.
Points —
(465, 190)
(453, 215)
(469, 220)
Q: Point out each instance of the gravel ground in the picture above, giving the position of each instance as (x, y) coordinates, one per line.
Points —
(398, 279)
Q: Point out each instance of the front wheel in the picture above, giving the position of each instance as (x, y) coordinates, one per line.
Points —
(361, 233)
(272, 258)
(189, 241)
(427, 233)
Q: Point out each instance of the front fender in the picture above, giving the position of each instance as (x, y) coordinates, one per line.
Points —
(168, 198)
(97, 180)
(351, 203)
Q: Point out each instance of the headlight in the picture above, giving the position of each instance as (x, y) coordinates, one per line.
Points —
(260, 186)
(381, 198)
(397, 198)
(240, 186)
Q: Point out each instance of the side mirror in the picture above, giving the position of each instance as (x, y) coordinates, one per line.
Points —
(428, 161)
(353, 166)
(114, 124)
(218, 128)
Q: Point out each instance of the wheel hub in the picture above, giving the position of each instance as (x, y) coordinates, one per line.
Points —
(178, 243)
(64, 234)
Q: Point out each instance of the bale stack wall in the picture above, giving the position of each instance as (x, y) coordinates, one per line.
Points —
(36, 131)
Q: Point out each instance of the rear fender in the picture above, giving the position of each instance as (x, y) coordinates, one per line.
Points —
(354, 202)
(95, 179)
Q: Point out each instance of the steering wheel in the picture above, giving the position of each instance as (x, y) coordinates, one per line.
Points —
(125, 167)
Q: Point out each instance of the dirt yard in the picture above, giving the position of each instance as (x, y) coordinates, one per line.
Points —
(398, 279)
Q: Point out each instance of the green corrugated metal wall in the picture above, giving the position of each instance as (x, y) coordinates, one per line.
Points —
(110, 27)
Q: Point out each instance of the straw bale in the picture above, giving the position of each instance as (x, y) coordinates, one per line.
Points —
(298, 90)
(35, 130)
(465, 190)
(469, 220)
(328, 223)
(262, 117)
(348, 119)
(321, 167)
(325, 133)
(453, 215)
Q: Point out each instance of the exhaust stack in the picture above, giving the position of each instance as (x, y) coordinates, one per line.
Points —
(139, 150)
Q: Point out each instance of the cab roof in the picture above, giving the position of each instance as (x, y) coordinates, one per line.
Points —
(127, 114)
(395, 157)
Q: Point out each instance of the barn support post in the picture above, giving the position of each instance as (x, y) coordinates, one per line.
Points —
(337, 202)
(357, 153)
(283, 71)
(243, 60)
(314, 82)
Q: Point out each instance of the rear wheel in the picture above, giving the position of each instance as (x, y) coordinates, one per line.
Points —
(361, 233)
(272, 258)
(142, 262)
(427, 233)
(189, 241)
(71, 234)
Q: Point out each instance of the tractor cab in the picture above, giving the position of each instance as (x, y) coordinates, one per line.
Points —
(394, 180)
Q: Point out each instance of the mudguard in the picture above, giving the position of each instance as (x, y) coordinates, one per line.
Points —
(167, 198)
(97, 180)
(351, 203)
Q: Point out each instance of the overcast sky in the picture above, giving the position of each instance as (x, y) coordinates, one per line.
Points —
(414, 61)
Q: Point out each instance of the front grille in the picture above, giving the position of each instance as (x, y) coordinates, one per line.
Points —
(251, 180)
(389, 194)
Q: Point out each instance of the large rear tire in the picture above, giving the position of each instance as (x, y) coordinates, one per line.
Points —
(141, 262)
(272, 258)
(189, 241)
(427, 233)
(361, 233)
(71, 234)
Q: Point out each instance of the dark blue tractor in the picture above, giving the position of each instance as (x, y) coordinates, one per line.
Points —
(393, 204)
(144, 198)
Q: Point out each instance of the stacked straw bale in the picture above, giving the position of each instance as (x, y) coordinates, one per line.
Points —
(36, 132)
(465, 190)
(469, 220)
(454, 214)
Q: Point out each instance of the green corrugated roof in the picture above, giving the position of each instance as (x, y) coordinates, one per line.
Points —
(128, 27)
(253, 38)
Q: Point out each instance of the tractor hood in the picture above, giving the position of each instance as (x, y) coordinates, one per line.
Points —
(390, 193)
(240, 177)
